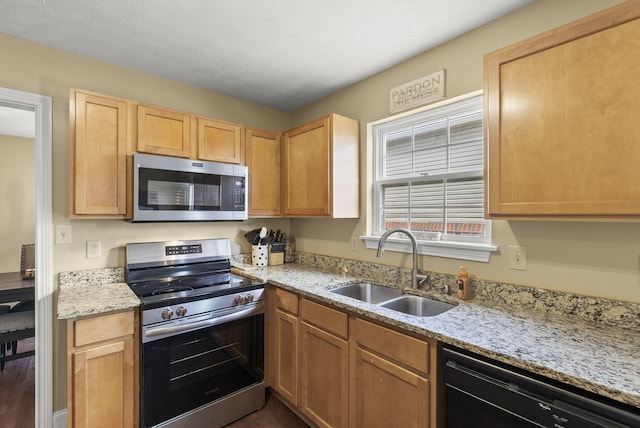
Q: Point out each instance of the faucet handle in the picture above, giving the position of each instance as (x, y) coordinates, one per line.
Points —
(423, 278)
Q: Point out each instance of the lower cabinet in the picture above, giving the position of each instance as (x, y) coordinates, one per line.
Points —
(324, 365)
(391, 384)
(102, 371)
(351, 372)
(282, 343)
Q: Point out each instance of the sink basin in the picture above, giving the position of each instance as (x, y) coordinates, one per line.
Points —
(415, 305)
(367, 292)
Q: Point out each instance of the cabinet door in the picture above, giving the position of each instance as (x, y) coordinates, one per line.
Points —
(164, 132)
(263, 160)
(562, 121)
(103, 386)
(285, 379)
(98, 156)
(324, 368)
(219, 141)
(306, 170)
(387, 395)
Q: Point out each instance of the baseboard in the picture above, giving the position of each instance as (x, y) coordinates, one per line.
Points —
(60, 419)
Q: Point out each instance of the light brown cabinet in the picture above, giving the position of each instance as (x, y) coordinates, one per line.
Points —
(324, 365)
(101, 140)
(562, 111)
(219, 141)
(262, 150)
(173, 133)
(101, 371)
(282, 328)
(163, 132)
(352, 372)
(394, 381)
(320, 169)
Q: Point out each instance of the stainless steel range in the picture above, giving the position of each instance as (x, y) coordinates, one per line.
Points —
(202, 334)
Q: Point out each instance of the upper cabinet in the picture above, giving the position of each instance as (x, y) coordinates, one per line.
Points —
(562, 113)
(164, 132)
(219, 141)
(101, 139)
(262, 149)
(320, 169)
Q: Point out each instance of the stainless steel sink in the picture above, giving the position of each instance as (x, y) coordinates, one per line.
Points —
(415, 305)
(367, 292)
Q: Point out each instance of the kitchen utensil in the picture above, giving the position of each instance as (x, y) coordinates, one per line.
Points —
(253, 236)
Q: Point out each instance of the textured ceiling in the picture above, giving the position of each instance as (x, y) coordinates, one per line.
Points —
(279, 53)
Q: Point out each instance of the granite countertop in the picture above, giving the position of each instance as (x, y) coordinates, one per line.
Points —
(94, 292)
(593, 356)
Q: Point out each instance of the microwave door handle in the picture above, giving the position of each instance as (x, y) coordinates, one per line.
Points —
(192, 196)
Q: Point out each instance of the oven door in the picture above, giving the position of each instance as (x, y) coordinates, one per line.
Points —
(186, 371)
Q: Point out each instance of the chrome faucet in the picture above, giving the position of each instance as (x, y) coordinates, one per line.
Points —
(414, 271)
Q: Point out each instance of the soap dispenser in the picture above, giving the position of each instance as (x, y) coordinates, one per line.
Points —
(464, 284)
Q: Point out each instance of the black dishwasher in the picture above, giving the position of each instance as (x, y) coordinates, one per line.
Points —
(482, 393)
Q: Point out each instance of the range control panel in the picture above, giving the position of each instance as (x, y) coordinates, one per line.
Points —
(174, 250)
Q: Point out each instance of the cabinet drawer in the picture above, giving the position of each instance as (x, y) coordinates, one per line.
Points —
(407, 350)
(287, 301)
(333, 321)
(103, 327)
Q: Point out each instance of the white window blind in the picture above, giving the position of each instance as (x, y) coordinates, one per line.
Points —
(429, 173)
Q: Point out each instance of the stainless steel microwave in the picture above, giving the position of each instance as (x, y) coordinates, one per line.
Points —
(175, 189)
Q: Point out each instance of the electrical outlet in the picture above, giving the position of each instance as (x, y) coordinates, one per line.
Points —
(517, 257)
(93, 249)
(63, 234)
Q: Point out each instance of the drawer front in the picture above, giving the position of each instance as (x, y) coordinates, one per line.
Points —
(407, 350)
(103, 327)
(287, 301)
(331, 320)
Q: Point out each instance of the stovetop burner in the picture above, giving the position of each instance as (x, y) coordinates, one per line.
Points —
(166, 273)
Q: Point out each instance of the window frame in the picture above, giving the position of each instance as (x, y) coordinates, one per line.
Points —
(458, 247)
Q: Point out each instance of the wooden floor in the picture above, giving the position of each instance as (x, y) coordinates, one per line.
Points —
(273, 415)
(17, 390)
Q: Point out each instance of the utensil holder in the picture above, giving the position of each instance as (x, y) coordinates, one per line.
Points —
(260, 255)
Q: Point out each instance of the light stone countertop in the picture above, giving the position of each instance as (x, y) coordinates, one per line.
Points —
(597, 357)
(94, 292)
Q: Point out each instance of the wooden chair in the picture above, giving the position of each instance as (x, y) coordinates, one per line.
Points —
(15, 326)
(17, 322)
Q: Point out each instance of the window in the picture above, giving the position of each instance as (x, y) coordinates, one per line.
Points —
(428, 178)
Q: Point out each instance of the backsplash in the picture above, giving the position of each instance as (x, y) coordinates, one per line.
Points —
(489, 293)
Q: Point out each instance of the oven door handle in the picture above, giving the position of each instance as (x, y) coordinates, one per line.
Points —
(163, 331)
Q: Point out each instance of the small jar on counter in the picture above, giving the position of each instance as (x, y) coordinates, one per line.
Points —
(464, 284)
(290, 250)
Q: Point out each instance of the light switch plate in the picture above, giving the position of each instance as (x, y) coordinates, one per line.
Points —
(517, 257)
(63, 234)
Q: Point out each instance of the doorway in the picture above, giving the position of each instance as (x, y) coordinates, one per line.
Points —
(41, 105)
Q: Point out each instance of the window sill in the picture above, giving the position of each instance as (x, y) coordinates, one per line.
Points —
(453, 250)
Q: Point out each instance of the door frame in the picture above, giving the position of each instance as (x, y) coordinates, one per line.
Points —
(44, 280)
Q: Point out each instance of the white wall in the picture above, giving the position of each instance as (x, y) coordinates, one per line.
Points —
(17, 199)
